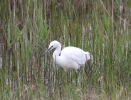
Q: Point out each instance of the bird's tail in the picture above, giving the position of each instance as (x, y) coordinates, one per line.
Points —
(88, 56)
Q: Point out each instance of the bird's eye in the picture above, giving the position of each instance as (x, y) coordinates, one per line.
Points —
(50, 47)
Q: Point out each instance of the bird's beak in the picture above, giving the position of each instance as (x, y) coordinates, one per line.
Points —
(46, 51)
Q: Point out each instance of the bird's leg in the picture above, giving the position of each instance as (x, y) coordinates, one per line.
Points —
(65, 70)
(70, 76)
(77, 76)
(65, 76)
(85, 69)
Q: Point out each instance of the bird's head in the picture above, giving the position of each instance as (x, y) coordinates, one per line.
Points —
(54, 44)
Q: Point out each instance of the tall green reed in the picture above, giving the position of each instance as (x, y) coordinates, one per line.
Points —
(93, 28)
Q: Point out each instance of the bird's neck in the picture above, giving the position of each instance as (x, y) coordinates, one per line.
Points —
(56, 53)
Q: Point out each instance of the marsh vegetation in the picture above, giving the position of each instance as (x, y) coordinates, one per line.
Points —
(101, 27)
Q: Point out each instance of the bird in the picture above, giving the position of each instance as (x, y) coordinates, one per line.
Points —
(69, 58)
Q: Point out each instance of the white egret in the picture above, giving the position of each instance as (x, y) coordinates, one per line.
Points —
(70, 57)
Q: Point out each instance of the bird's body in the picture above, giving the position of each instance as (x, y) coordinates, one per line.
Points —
(70, 57)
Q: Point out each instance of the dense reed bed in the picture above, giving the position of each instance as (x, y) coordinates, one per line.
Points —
(99, 26)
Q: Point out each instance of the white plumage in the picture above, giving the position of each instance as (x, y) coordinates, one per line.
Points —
(70, 57)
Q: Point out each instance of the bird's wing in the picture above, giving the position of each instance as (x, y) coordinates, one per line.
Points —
(75, 54)
(77, 59)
